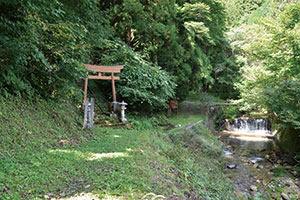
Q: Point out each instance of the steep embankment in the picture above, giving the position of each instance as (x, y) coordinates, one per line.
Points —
(44, 154)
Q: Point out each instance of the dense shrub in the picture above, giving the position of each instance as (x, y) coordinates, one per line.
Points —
(143, 85)
(269, 51)
(41, 53)
(185, 38)
(44, 43)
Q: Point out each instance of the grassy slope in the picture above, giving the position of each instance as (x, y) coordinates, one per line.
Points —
(44, 154)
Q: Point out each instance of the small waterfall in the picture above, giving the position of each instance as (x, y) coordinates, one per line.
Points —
(252, 126)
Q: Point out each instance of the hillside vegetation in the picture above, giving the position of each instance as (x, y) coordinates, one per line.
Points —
(265, 37)
(168, 47)
(247, 51)
(44, 154)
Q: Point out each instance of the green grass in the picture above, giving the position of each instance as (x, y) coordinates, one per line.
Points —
(279, 171)
(44, 153)
(184, 119)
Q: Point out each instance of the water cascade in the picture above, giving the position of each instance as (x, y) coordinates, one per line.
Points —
(252, 155)
(260, 126)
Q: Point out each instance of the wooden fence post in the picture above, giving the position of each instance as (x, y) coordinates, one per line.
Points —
(86, 105)
(91, 115)
(85, 87)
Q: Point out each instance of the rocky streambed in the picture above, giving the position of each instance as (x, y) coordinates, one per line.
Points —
(258, 169)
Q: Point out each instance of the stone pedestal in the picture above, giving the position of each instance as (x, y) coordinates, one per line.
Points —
(123, 108)
(119, 107)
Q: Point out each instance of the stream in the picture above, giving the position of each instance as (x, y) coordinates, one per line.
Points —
(255, 164)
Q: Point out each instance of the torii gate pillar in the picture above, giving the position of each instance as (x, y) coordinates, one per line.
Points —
(103, 69)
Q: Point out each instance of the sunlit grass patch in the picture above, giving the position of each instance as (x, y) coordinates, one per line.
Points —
(82, 196)
(98, 156)
(90, 155)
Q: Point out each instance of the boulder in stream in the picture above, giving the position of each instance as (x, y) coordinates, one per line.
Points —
(260, 166)
(232, 166)
(253, 188)
(252, 162)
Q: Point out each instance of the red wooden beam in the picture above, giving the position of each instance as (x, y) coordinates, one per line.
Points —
(102, 69)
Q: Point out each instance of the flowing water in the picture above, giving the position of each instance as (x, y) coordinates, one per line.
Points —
(249, 148)
(252, 126)
(254, 135)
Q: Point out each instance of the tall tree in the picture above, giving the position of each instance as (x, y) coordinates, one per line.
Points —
(184, 37)
(269, 51)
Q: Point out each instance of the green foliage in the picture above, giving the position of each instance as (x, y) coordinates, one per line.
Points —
(206, 98)
(146, 87)
(187, 40)
(283, 100)
(269, 52)
(142, 85)
(148, 122)
(44, 44)
(267, 9)
(239, 12)
(207, 151)
(291, 16)
(44, 49)
(41, 53)
(279, 171)
(226, 114)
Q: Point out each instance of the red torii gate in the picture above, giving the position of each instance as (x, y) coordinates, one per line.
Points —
(103, 69)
